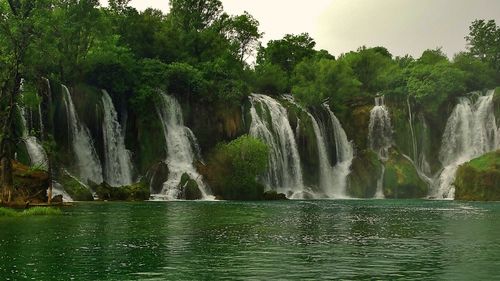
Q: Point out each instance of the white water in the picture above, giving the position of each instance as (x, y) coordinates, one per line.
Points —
(35, 150)
(270, 124)
(380, 137)
(117, 164)
(470, 132)
(345, 155)
(181, 146)
(418, 159)
(87, 162)
(58, 189)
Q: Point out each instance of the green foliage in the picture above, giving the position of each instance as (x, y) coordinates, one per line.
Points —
(478, 74)
(270, 79)
(484, 42)
(233, 169)
(431, 85)
(318, 80)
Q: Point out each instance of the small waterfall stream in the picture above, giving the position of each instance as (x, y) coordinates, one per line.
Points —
(380, 137)
(471, 131)
(87, 162)
(36, 152)
(117, 164)
(181, 147)
(270, 124)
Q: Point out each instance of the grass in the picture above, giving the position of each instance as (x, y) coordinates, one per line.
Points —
(486, 162)
(36, 211)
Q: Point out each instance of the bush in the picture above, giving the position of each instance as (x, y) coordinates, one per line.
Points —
(233, 168)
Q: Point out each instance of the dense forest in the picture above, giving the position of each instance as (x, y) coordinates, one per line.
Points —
(211, 62)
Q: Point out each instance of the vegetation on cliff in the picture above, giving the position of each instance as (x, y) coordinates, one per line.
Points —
(200, 54)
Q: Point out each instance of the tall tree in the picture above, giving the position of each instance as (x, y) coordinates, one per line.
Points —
(484, 41)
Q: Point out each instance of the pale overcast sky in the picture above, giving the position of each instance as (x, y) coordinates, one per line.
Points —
(402, 26)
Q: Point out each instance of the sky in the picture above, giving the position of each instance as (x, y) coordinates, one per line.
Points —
(339, 26)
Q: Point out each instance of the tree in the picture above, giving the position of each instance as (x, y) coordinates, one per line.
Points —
(478, 74)
(484, 42)
(371, 67)
(17, 31)
(195, 14)
(318, 80)
(287, 52)
(243, 31)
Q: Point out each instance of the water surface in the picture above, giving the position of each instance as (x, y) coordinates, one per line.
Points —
(292, 240)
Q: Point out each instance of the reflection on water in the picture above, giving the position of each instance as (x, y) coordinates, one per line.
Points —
(293, 240)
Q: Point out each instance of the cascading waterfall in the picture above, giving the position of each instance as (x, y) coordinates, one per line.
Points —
(380, 137)
(181, 147)
(345, 154)
(117, 164)
(470, 132)
(89, 166)
(270, 124)
(37, 154)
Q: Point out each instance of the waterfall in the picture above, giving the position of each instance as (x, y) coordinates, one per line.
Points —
(470, 132)
(88, 164)
(271, 125)
(418, 159)
(117, 164)
(58, 189)
(181, 147)
(380, 136)
(345, 154)
(36, 152)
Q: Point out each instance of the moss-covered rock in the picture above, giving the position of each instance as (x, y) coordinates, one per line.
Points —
(401, 179)
(136, 192)
(189, 188)
(479, 179)
(76, 189)
(365, 171)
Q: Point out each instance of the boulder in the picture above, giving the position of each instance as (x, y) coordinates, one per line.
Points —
(189, 188)
(272, 195)
(157, 175)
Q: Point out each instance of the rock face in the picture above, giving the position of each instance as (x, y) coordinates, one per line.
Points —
(479, 179)
(365, 171)
(401, 179)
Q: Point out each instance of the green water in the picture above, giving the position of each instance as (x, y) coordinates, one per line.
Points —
(293, 240)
